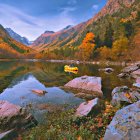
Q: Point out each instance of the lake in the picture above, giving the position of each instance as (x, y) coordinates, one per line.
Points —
(18, 78)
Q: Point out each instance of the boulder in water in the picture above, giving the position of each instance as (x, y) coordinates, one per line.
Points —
(124, 95)
(91, 107)
(13, 116)
(86, 84)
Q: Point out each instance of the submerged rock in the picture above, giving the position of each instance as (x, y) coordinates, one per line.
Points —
(91, 107)
(124, 95)
(51, 107)
(125, 124)
(39, 92)
(107, 70)
(85, 96)
(87, 84)
(13, 116)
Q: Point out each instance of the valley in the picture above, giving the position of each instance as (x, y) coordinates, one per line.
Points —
(70, 70)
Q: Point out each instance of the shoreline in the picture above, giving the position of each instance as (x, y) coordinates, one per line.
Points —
(123, 63)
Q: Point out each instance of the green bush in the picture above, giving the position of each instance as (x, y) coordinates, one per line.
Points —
(64, 126)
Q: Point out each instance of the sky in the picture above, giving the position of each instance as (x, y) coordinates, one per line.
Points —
(31, 18)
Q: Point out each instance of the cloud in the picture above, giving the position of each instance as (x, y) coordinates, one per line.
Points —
(30, 26)
(67, 10)
(95, 7)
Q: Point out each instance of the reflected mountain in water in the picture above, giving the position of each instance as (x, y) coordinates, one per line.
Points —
(17, 79)
(20, 92)
(52, 74)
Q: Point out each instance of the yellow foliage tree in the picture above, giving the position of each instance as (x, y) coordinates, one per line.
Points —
(120, 47)
(87, 46)
(105, 53)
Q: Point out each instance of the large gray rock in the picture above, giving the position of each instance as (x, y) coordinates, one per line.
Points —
(125, 124)
(124, 94)
(86, 108)
(13, 116)
(85, 96)
(86, 84)
(131, 69)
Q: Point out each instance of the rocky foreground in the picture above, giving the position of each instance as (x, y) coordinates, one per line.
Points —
(14, 118)
(126, 122)
(124, 125)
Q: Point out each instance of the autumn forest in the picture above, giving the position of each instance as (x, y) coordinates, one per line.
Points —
(110, 35)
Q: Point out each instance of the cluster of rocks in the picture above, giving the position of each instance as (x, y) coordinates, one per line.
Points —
(14, 118)
(130, 71)
(126, 122)
(89, 88)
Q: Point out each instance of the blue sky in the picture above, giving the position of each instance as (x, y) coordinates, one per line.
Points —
(31, 18)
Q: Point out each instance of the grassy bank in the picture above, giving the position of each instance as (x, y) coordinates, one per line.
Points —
(64, 126)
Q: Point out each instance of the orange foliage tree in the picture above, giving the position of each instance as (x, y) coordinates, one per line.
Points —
(87, 47)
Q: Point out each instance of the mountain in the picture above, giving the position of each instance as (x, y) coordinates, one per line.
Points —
(49, 32)
(105, 24)
(50, 38)
(17, 37)
(113, 6)
(67, 27)
(10, 48)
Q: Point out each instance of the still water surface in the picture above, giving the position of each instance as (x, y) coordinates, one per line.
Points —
(17, 79)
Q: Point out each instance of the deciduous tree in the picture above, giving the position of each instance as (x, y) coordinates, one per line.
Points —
(120, 47)
(87, 46)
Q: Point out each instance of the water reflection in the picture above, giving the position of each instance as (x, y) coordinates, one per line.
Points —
(17, 79)
(20, 92)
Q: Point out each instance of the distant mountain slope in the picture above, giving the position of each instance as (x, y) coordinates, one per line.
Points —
(51, 38)
(67, 27)
(106, 21)
(10, 48)
(17, 37)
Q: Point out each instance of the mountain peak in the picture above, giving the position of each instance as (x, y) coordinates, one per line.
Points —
(112, 6)
(67, 27)
(17, 37)
(49, 32)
